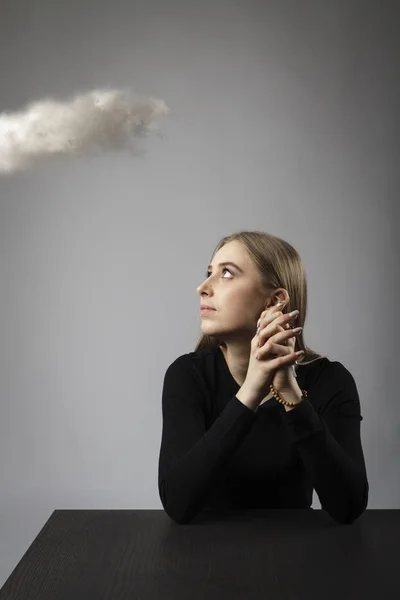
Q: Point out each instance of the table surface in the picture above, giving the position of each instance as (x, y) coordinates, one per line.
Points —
(271, 554)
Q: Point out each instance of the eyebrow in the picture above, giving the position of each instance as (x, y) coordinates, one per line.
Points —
(223, 264)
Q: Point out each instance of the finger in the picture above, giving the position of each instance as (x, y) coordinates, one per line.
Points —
(267, 317)
(282, 361)
(272, 351)
(278, 340)
(267, 332)
(270, 330)
(276, 317)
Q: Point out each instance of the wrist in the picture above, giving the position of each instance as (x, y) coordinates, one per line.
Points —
(293, 396)
(248, 397)
(297, 400)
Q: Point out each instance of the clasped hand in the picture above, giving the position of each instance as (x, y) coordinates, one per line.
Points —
(278, 339)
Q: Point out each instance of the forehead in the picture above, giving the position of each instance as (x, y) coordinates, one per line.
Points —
(233, 251)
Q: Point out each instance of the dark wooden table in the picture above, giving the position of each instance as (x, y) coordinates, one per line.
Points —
(260, 554)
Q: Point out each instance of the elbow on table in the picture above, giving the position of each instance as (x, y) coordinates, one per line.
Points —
(348, 519)
(354, 512)
(181, 515)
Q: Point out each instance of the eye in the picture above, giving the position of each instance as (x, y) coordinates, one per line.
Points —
(224, 269)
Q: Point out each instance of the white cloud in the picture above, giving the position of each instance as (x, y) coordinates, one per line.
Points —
(97, 121)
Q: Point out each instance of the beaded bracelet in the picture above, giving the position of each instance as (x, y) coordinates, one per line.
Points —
(278, 397)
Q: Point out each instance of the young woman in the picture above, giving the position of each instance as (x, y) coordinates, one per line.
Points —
(247, 421)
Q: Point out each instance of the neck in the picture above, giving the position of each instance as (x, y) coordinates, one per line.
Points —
(237, 359)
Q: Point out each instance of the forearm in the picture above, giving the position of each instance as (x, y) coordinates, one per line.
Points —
(340, 482)
(338, 478)
(185, 483)
(249, 398)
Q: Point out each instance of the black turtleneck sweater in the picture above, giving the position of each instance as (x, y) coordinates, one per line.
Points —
(216, 453)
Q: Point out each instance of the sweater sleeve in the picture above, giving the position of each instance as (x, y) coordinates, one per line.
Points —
(192, 458)
(329, 444)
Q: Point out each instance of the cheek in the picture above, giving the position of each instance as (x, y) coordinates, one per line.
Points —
(239, 304)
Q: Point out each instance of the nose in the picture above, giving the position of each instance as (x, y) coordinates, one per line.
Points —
(200, 288)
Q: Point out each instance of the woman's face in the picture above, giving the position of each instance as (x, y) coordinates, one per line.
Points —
(235, 294)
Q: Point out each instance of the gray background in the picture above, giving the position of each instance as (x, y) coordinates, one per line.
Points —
(285, 119)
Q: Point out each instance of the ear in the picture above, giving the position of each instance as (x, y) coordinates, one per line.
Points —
(279, 299)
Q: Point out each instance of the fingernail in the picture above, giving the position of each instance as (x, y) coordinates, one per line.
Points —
(258, 322)
(295, 312)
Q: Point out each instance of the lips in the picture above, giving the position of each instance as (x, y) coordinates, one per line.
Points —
(205, 307)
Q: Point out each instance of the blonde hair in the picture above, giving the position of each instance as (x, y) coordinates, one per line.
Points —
(279, 266)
